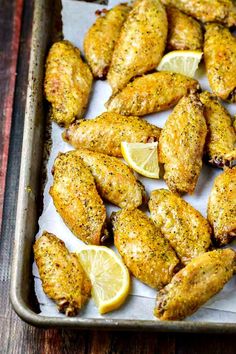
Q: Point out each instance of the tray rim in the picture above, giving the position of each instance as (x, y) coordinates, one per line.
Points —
(20, 307)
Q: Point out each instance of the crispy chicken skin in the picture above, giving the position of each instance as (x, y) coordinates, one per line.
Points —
(220, 61)
(114, 180)
(181, 145)
(221, 210)
(105, 133)
(68, 82)
(141, 43)
(76, 198)
(100, 40)
(151, 93)
(62, 276)
(221, 137)
(184, 33)
(221, 11)
(186, 229)
(195, 284)
(145, 251)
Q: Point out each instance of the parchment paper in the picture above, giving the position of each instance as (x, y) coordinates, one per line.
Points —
(77, 18)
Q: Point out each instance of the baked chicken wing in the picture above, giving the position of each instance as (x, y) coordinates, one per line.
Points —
(115, 181)
(151, 93)
(76, 198)
(141, 43)
(221, 137)
(222, 11)
(221, 211)
(100, 40)
(195, 284)
(184, 33)
(181, 145)
(185, 228)
(62, 276)
(105, 133)
(220, 61)
(145, 251)
(68, 82)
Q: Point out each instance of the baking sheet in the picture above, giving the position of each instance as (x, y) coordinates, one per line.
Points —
(77, 18)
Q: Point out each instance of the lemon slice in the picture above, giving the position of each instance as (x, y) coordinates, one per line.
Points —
(181, 61)
(143, 158)
(109, 276)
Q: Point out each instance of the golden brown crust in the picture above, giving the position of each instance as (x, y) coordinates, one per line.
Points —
(141, 43)
(100, 40)
(184, 33)
(220, 61)
(221, 137)
(187, 230)
(105, 133)
(151, 93)
(115, 181)
(68, 82)
(221, 11)
(221, 210)
(181, 145)
(145, 251)
(76, 198)
(62, 276)
(195, 284)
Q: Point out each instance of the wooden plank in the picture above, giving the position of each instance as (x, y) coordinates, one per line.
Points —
(10, 24)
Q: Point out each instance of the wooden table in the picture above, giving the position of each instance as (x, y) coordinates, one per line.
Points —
(16, 336)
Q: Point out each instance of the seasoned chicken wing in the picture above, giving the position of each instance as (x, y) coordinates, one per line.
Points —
(145, 251)
(141, 43)
(62, 276)
(221, 137)
(100, 40)
(181, 145)
(186, 229)
(221, 210)
(76, 198)
(151, 93)
(220, 61)
(115, 181)
(184, 33)
(222, 11)
(105, 133)
(195, 284)
(68, 82)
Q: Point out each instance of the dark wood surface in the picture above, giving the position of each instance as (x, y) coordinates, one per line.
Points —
(16, 336)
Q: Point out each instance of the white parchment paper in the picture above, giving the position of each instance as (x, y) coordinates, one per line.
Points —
(77, 18)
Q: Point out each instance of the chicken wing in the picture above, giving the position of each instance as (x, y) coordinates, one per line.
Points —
(220, 61)
(105, 133)
(222, 11)
(145, 251)
(151, 93)
(68, 82)
(63, 278)
(221, 137)
(221, 210)
(195, 284)
(141, 43)
(115, 181)
(100, 40)
(76, 198)
(181, 145)
(184, 33)
(186, 229)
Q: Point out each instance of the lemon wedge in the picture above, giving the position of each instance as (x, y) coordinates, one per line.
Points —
(109, 277)
(143, 158)
(181, 61)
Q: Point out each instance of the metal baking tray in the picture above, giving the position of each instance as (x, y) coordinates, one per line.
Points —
(46, 16)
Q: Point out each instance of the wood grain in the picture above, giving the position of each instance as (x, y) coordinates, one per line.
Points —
(16, 337)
